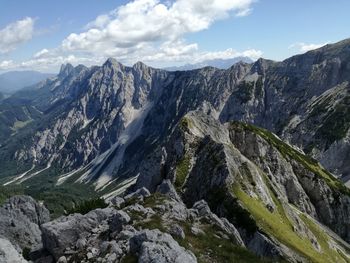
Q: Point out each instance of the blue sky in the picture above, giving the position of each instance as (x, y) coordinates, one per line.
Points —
(43, 34)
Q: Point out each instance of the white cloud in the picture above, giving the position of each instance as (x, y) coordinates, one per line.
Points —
(303, 47)
(42, 53)
(244, 12)
(6, 64)
(15, 34)
(150, 21)
(49, 64)
(145, 30)
(229, 53)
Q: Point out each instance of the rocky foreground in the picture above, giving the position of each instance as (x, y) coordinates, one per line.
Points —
(137, 228)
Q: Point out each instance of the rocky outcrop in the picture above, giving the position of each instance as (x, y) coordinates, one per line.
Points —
(153, 228)
(159, 227)
(20, 221)
(153, 245)
(64, 233)
(254, 180)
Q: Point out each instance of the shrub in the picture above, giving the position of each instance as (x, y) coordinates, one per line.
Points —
(87, 206)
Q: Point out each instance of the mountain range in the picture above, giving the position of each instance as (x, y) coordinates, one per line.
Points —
(216, 63)
(265, 145)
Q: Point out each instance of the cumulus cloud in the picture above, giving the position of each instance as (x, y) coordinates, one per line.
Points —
(6, 64)
(150, 21)
(48, 64)
(15, 34)
(42, 53)
(152, 31)
(229, 53)
(304, 47)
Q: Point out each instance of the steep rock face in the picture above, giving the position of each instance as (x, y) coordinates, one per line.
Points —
(273, 193)
(74, 136)
(99, 122)
(304, 99)
(305, 184)
(116, 110)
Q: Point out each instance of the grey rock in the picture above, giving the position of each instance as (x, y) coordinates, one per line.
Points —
(116, 201)
(204, 211)
(202, 208)
(127, 233)
(20, 220)
(146, 211)
(118, 220)
(115, 248)
(112, 257)
(8, 253)
(173, 210)
(89, 255)
(139, 193)
(64, 232)
(62, 259)
(168, 189)
(263, 246)
(197, 231)
(177, 231)
(81, 243)
(153, 245)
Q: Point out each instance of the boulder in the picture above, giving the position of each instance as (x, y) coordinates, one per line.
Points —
(168, 189)
(116, 201)
(155, 246)
(118, 220)
(203, 210)
(177, 231)
(64, 232)
(20, 220)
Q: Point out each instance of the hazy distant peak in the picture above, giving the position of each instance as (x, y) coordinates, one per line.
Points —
(66, 69)
(13, 81)
(216, 63)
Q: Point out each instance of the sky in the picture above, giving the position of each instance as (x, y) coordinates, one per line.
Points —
(42, 35)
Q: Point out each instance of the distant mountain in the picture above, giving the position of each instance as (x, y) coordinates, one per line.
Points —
(13, 81)
(216, 63)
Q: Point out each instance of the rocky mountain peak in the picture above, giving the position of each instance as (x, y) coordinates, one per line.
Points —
(140, 66)
(112, 63)
(66, 69)
(261, 65)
